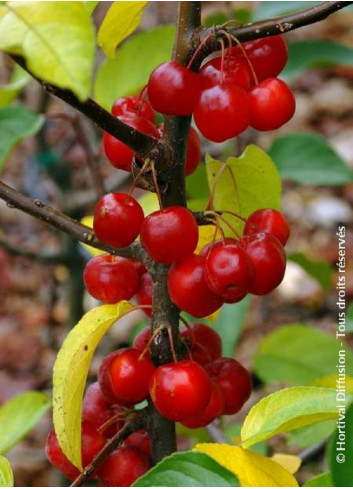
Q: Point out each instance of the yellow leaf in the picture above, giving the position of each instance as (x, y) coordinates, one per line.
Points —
(120, 21)
(291, 463)
(251, 468)
(330, 381)
(88, 221)
(70, 374)
(206, 235)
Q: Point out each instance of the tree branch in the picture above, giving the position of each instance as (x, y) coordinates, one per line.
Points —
(60, 221)
(135, 422)
(271, 27)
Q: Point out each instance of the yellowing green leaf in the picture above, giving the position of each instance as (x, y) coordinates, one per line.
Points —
(70, 374)
(330, 381)
(257, 185)
(291, 463)
(88, 221)
(6, 475)
(9, 92)
(90, 6)
(251, 468)
(56, 39)
(288, 409)
(121, 20)
(207, 234)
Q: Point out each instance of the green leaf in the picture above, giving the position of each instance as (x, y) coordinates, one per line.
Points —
(274, 9)
(6, 475)
(307, 158)
(322, 480)
(120, 21)
(90, 6)
(312, 434)
(16, 123)
(341, 455)
(320, 270)
(56, 39)
(288, 409)
(232, 435)
(257, 181)
(188, 469)
(349, 319)
(19, 415)
(315, 54)
(70, 374)
(299, 354)
(229, 324)
(134, 61)
(9, 92)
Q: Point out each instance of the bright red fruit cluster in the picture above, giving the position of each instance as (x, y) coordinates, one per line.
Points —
(230, 92)
(139, 114)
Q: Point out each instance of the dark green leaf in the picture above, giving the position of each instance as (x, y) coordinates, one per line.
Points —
(274, 9)
(16, 123)
(188, 469)
(320, 270)
(129, 71)
(307, 158)
(322, 480)
(197, 184)
(341, 455)
(315, 54)
(19, 415)
(229, 324)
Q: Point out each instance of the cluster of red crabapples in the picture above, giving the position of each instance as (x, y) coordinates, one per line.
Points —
(230, 92)
(192, 392)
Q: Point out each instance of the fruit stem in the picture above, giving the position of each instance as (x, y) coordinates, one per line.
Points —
(199, 48)
(232, 37)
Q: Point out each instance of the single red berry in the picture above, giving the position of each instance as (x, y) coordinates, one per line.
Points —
(173, 89)
(269, 260)
(132, 106)
(118, 153)
(222, 112)
(268, 221)
(110, 279)
(117, 219)
(210, 246)
(268, 56)
(140, 267)
(234, 381)
(169, 235)
(180, 390)
(213, 409)
(144, 293)
(193, 150)
(229, 272)
(141, 440)
(272, 104)
(92, 443)
(205, 343)
(123, 467)
(142, 338)
(236, 71)
(98, 411)
(188, 289)
(124, 375)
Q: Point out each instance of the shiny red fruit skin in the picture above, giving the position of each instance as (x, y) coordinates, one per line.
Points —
(222, 112)
(188, 289)
(268, 221)
(142, 338)
(180, 390)
(205, 343)
(92, 443)
(234, 381)
(169, 235)
(125, 376)
(123, 467)
(110, 279)
(118, 153)
(193, 150)
(213, 409)
(144, 293)
(268, 55)
(98, 411)
(173, 89)
(269, 259)
(117, 219)
(134, 106)
(272, 104)
(229, 272)
(141, 440)
(236, 71)
(210, 246)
